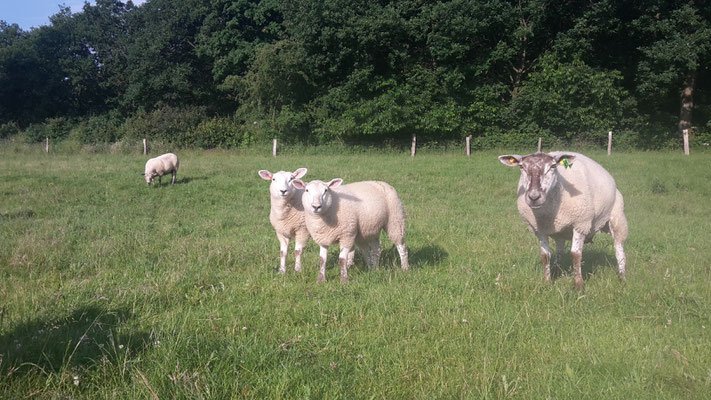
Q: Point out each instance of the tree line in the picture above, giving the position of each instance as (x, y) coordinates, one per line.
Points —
(223, 73)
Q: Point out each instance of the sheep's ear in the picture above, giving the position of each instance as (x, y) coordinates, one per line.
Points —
(336, 182)
(511, 160)
(266, 175)
(560, 159)
(299, 184)
(299, 173)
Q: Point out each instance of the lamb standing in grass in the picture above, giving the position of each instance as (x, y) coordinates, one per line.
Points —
(160, 166)
(353, 215)
(287, 213)
(564, 195)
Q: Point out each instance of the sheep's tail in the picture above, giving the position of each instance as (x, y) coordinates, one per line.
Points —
(396, 216)
(618, 221)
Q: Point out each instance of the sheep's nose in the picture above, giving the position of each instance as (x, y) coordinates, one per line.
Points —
(316, 208)
(283, 191)
(534, 195)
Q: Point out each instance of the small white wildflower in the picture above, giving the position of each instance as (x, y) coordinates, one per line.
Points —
(157, 343)
(101, 345)
(667, 274)
(244, 328)
(464, 320)
(316, 325)
(333, 365)
(76, 380)
(120, 346)
(496, 281)
(359, 356)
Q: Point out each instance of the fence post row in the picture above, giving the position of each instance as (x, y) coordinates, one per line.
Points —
(144, 146)
(685, 133)
(46, 146)
(468, 149)
(274, 148)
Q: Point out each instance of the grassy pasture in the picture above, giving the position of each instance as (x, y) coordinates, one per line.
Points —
(110, 289)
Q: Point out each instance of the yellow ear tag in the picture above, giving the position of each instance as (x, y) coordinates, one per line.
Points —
(512, 160)
(560, 162)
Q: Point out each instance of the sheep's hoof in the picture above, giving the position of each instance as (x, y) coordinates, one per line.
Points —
(344, 279)
(321, 278)
(281, 271)
(297, 269)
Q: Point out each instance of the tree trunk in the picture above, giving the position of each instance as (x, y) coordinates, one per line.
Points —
(687, 102)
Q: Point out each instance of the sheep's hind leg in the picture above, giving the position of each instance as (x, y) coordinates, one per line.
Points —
(300, 242)
(172, 182)
(402, 250)
(343, 262)
(576, 253)
(545, 257)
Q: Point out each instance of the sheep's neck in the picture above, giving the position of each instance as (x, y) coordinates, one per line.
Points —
(281, 207)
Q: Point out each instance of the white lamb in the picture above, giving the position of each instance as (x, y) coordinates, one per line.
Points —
(564, 195)
(287, 213)
(353, 215)
(160, 166)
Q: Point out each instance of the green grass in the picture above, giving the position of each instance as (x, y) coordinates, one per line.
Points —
(109, 289)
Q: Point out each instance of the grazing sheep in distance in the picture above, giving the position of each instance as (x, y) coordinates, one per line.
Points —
(353, 215)
(564, 195)
(160, 166)
(287, 213)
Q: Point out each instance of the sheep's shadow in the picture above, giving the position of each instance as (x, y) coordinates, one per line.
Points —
(186, 180)
(593, 260)
(87, 337)
(390, 258)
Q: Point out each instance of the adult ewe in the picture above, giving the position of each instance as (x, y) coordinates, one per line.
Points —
(564, 195)
(287, 213)
(353, 215)
(161, 165)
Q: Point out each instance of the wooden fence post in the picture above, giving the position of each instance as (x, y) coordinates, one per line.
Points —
(539, 144)
(468, 151)
(274, 148)
(609, 143)
(46, 145)
(685, 133)
(414, 141)
(144, 146)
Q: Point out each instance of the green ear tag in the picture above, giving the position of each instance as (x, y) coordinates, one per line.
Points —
(566, 163)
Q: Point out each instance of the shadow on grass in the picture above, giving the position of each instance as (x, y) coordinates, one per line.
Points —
(419, 257)
(593, 260)
(185, 180)
(85, 338)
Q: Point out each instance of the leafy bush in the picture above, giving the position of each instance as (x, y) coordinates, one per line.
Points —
(217, 133)
(166, 124)
(53, 128)
(571, 100)
(98, 129)
(9, 129)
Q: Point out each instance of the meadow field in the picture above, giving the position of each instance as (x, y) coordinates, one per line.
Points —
(113, 290)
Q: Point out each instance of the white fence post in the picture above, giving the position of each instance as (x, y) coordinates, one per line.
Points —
(539, 144)
(144, 146)
(609, 143)
(414, 142)
(46, 145)
(685, 133)
(468, 148)
(274, 148)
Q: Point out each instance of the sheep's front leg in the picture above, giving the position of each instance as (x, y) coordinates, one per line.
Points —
(576, 253)
(283, 249)
(545, 257)
(343, 262)
(301, 239)
(322, 257)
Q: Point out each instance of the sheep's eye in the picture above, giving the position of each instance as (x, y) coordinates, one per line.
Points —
(307, 190)
(273, 179)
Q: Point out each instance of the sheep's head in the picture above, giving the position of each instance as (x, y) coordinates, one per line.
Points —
(149, 177)
(538, 173)
(317, 194)
(282, 182)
